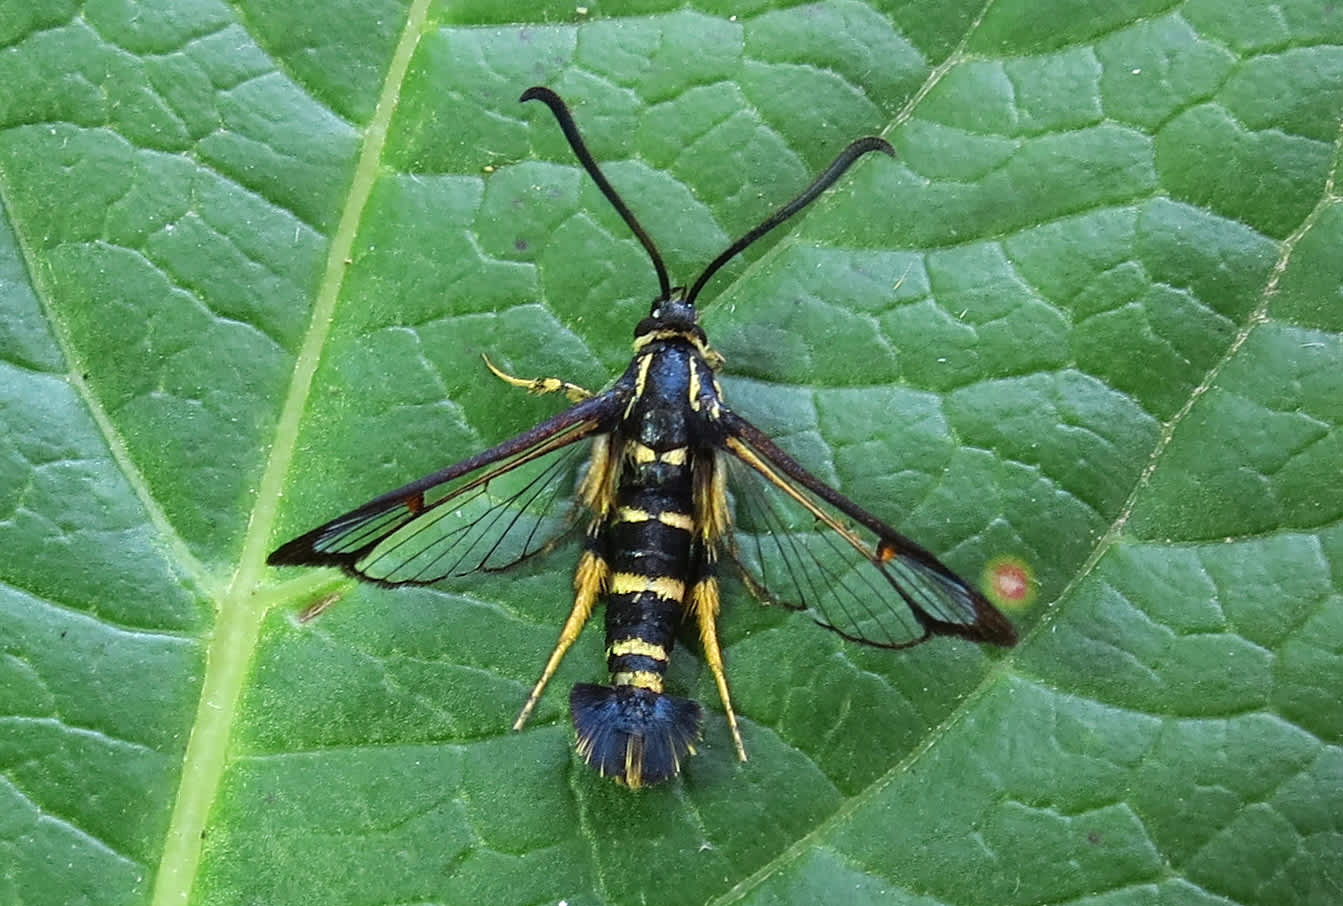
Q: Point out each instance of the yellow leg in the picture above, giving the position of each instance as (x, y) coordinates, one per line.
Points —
(704, 599)
(589, 582)
(540, 385)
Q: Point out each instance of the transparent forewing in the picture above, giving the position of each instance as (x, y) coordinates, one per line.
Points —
(803, 545)
(484, 513)
(488, 523)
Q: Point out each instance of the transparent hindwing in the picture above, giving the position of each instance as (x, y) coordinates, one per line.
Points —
(803, 545)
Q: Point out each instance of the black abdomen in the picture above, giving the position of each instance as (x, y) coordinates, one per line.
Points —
(630, 730)
(649, 538)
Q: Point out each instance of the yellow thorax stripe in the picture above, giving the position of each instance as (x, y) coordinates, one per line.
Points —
(676, 456)
(667, 334)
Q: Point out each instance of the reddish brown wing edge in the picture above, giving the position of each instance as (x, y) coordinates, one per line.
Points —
(745, 441)
(583, 420)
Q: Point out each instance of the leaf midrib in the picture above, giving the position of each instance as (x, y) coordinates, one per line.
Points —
(240, 610)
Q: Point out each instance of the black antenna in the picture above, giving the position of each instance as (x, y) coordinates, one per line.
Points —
(570, 129)
(845, 160)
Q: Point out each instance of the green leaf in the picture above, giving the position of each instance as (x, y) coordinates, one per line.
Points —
(1088, 323)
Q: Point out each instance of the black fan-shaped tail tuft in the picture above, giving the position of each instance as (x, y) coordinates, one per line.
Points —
(633, 735)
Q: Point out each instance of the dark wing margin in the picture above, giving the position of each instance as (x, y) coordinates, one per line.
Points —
(802, 544)
(486, 512)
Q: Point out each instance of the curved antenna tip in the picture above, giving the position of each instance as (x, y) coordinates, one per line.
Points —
(538, 93)
(868, 143)
(580, 149)
(846, 158)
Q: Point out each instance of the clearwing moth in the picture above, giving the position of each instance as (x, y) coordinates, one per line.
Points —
(661, 448)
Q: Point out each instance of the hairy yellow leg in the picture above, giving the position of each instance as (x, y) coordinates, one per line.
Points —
(704, 599)
(589, 582)
(540, 385)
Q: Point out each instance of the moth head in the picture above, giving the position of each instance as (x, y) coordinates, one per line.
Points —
(670, 315)
(674, 311)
